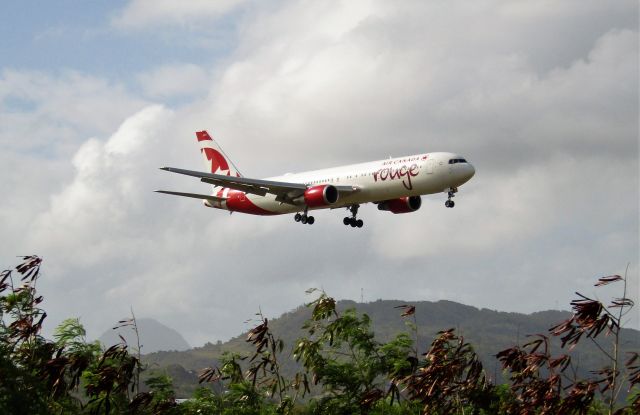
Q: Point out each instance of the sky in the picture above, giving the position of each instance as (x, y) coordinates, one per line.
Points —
(540, 96)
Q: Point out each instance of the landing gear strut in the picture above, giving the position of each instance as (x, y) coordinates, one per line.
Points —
(304, 218)
(353, 221)
(452, 193)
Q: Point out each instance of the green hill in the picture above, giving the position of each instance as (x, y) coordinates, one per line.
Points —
(489, 331)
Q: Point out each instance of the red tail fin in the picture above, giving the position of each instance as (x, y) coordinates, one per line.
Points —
(216, 161)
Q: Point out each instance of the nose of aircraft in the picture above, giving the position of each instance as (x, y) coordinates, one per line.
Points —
(470, 171)
(465, 172)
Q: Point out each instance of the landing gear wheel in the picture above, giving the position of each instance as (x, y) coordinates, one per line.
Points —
(304, 218)
(353, 221)
(452, 193)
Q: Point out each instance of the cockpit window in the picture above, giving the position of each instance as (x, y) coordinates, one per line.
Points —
(454, 161)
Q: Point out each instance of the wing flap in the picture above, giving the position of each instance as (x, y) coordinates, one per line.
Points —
(245, 184)
(236, 186)
(285, 192)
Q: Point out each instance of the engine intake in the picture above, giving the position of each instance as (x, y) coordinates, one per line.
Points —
(322, 195)
(401, 205)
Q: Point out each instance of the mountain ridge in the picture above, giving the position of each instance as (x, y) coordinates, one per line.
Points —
(154, 336)
(488, 331)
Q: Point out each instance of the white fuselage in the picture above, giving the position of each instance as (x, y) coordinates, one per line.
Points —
(375, 181)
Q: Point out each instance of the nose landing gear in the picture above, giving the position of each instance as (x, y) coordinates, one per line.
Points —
(451, 194)
(304, 218)
(353, 221)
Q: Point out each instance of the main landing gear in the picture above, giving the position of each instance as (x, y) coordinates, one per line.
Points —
(352, 220)
(304, 218)
(452, 193)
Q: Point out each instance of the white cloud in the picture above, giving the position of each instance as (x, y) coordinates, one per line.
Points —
(40, 110)
(107, 192)
(44, 118)
(406, 78)
(142, 13)
(177, 80)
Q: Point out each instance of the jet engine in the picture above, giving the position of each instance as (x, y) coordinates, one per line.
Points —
(401, 205)
(322, 195)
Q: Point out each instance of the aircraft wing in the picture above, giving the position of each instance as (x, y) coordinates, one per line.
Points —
(285, 192)
(193, 195)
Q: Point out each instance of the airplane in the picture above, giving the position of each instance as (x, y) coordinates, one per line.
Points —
(395, 185)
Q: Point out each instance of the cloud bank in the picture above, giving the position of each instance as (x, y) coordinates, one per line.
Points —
(541, 99)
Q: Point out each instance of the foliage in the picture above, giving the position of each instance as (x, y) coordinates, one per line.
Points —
(542, 383)
(26, 381)
(263, 385)
(343, 367)
(450, 378)
(341, 354)
(43, 376)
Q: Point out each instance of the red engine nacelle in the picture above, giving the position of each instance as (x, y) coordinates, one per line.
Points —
(322, 195)
(401, 205)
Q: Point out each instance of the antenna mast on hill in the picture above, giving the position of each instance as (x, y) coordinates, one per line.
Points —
(362, 295)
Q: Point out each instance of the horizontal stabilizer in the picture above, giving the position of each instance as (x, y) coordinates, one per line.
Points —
(193, 195)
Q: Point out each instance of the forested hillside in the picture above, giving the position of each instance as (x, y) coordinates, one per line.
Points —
(489, 332)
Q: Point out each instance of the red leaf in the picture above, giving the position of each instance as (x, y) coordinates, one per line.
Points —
(608, 280)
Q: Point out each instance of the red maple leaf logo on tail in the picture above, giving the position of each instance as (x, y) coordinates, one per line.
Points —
(218, 162)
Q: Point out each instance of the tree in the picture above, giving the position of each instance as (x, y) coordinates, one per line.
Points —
(23, 351)
(342, 356)
(450, 378)
(539, 380)
(40, 376)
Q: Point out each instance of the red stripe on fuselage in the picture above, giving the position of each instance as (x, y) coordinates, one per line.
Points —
(239, 202)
